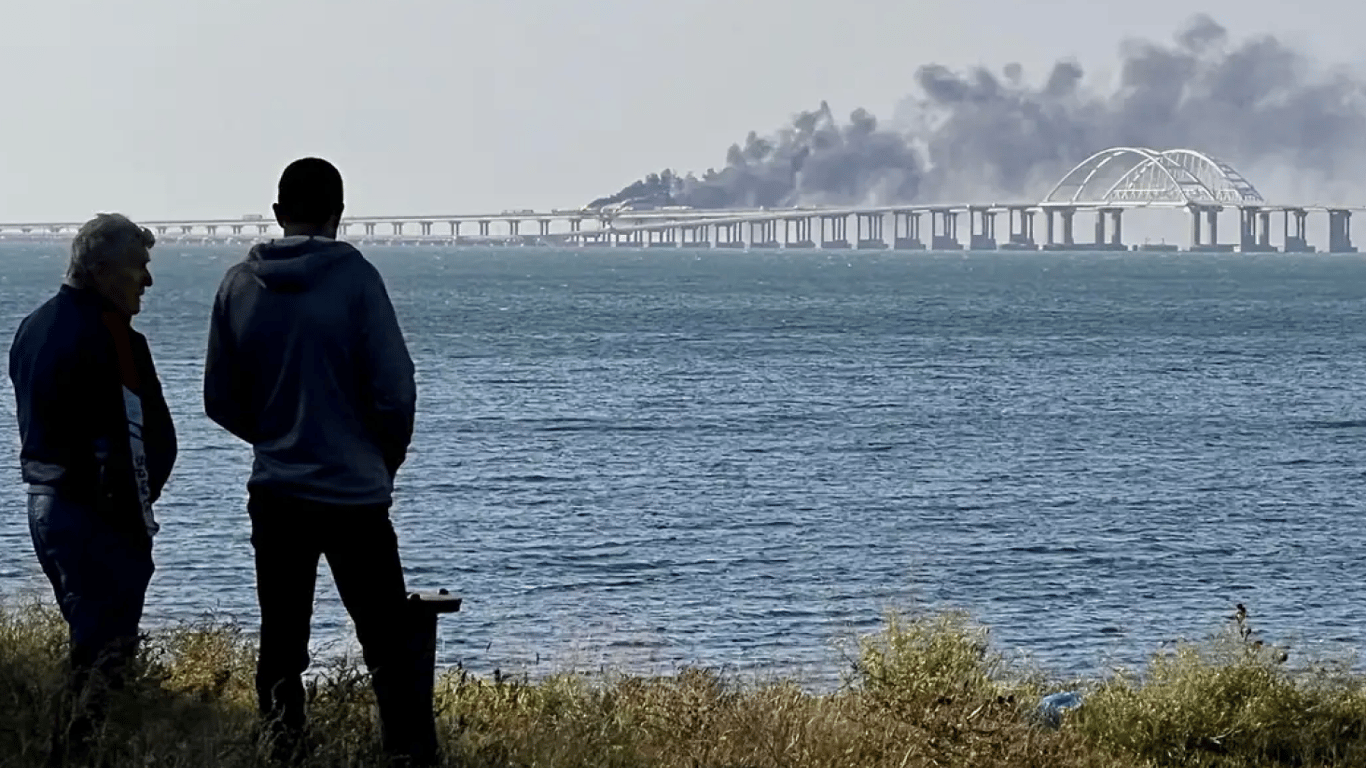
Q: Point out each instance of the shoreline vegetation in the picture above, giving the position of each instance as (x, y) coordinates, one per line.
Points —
(923, 691)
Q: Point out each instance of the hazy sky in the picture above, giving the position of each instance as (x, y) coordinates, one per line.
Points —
(169, 108)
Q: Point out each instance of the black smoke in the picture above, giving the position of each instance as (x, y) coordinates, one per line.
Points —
(1256, 103)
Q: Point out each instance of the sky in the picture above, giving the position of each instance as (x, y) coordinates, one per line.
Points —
(166, 109)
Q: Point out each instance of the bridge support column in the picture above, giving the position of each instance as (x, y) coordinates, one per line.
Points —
(729, 236)
(1254, 231)
(425, 226)
(455, 230)
(797, 233)
(398, 227)
(370, 228)
(696, 236)
(869, 235)
(982, 221)
(1211, 215)
(837, 229)
(763, 234)
(906, 231)
(1069, 241)
(484, 227)
(1340, 231)
(514, 228)
(1117, 230)
(545, 226)
(1021, 234)
(944, 230)
(661, 238)
(1298, 241)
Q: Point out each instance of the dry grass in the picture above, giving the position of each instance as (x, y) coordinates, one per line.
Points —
(925, 692)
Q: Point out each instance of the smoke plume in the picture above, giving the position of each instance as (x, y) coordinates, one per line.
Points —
(1256, 103)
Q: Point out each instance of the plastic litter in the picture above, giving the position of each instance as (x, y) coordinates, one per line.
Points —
(1052, 706)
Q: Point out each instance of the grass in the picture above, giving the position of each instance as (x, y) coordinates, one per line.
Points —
(927, 691)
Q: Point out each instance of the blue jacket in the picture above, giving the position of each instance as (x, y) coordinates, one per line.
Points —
(73, 428)
(306, 361)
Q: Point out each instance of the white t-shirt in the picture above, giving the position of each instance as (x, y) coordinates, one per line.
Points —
(132, 404)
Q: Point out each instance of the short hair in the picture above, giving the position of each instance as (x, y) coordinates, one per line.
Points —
(104, 238)
(310, 191)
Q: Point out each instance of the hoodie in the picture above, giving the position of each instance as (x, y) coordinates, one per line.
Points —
(306, 361)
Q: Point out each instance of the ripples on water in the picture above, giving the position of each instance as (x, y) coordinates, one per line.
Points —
(643, 460)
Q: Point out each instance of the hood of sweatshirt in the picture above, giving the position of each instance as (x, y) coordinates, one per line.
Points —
(295, 264)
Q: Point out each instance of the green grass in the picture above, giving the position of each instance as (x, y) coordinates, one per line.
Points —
(927, 691)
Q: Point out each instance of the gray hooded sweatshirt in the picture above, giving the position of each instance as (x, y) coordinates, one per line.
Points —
(307, 363)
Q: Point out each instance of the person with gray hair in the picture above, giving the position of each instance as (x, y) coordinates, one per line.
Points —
(97, 447)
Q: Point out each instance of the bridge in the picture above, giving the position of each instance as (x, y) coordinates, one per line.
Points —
(1106, 185)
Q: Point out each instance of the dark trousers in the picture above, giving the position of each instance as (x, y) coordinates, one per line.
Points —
(99, 575)
(289, 535)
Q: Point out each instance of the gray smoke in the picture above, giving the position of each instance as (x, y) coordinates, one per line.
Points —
(1256, 103)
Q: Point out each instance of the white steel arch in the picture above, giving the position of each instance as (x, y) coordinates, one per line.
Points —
(1138, 176)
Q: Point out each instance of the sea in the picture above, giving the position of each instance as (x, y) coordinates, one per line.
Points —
(638, 461)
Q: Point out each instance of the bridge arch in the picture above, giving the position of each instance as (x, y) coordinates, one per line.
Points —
(1139, 176)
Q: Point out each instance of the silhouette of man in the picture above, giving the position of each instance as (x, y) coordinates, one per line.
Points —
(97, 447)
(306, 361)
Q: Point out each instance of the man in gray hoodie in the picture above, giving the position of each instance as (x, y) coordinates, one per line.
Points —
(306, 361)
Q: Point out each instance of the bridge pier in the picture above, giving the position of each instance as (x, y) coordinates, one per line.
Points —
(484, 225)
(764, 234)
(729, 236)
(906, 231)
(455, 230)
(944, 230)
(370, 228)
(398, 227)
(1299, 241)
(697, 236)
(982, 222)
(1114, 240)
(514, 228)
(1211, 216)
(1254, 231)
(661, 238)
(1069, 240)
(802, 228)
(838, 231)
(869, 231)
(1340, 231)
(1021, 236)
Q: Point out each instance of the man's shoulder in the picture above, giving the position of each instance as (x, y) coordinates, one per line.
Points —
(58, 324)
